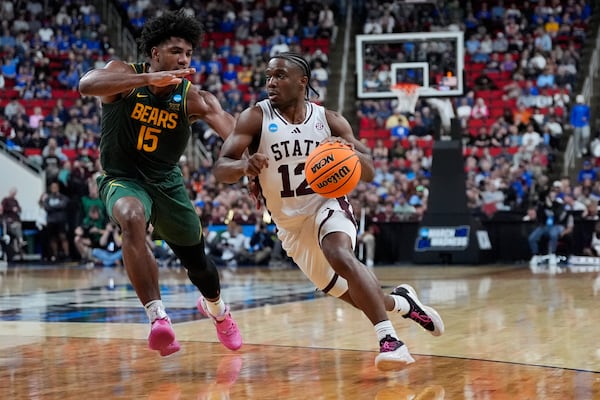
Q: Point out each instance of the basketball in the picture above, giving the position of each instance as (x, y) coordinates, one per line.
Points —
(332, 170)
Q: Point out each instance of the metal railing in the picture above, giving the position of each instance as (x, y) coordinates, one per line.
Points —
(21, 158)
(196, 152)
(588, 90)
(121, 37)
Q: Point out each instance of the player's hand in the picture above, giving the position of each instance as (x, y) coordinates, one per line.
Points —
(166, 78)
(255, 163)
(338, 139)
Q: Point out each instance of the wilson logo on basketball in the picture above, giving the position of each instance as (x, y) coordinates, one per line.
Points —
(323, 162)
(335, 178)
(332, 169)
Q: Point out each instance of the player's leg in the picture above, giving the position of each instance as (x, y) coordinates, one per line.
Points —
(365, 292)
(129, 205)
(204, 275)
(342, 273)
(180, 228)
(403, 299)
(129, 212)
(337, 234)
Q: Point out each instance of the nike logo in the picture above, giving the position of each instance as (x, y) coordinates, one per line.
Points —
(141, 95)
(113, 183)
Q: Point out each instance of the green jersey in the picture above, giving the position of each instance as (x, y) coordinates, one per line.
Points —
(143, 136)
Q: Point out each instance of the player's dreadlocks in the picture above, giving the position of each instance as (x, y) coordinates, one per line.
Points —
(170, 24)
(302, 63)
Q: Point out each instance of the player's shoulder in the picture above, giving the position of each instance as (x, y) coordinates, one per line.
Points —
(334, 118)
(201, 100)
(253, 111)
(252, 115)
(250, 120)
(119, 65)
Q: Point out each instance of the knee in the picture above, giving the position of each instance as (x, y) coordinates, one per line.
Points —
(531, 238)
(130, 214)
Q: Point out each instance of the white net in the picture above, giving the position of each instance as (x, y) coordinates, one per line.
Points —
(407, 95)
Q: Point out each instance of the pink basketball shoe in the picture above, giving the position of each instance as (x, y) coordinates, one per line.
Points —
(227, 330)
(162, 337)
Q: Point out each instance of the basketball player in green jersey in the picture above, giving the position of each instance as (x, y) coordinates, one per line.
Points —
(147, 109)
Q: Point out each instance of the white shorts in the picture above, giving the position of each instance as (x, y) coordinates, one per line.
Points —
(302, 242)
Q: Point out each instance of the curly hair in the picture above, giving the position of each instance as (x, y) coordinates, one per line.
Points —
(170, 24)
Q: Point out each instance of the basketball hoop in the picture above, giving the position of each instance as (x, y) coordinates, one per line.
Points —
(407, 94)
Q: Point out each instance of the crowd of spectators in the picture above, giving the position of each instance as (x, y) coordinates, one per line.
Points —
(521, 64)
(45, 47)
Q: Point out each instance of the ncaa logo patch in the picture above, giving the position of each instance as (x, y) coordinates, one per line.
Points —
(273, 127)
(319, 126)
(177, 98)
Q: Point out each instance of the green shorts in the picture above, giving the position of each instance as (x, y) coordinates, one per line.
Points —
(167, 206)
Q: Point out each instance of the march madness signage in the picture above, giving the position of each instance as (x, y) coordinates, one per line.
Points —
(442, 238)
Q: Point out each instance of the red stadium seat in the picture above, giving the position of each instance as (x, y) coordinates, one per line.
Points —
(70, 153)
(32, 151)
(367, 133)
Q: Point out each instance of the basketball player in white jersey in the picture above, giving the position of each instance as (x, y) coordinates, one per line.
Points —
(318, 233)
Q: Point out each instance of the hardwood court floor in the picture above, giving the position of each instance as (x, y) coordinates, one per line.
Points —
(71, 333)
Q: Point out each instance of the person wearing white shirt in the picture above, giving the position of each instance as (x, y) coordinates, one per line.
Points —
(538, 61)
(372, 27)
(46, 32)
(574, 205)
(486, 46)
(463, 111)
(320, 73)
(531, 138)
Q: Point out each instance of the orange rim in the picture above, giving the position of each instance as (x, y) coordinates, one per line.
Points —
(406, 87)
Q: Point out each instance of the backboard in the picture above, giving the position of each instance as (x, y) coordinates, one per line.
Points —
(433, 60)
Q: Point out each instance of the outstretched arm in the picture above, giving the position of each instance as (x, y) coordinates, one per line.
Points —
(118, 78)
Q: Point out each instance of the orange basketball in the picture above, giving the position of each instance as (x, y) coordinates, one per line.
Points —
(332, 170)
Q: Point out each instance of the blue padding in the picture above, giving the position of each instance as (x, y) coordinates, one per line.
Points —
(247, 230)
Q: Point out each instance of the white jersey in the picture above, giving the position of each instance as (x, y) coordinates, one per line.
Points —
(287, 195)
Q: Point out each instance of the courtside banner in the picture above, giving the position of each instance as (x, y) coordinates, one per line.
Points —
(435, 238)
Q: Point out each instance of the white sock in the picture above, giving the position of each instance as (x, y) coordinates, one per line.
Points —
(384, 328)
(216, 309)
(401, 305)
(155, 310)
